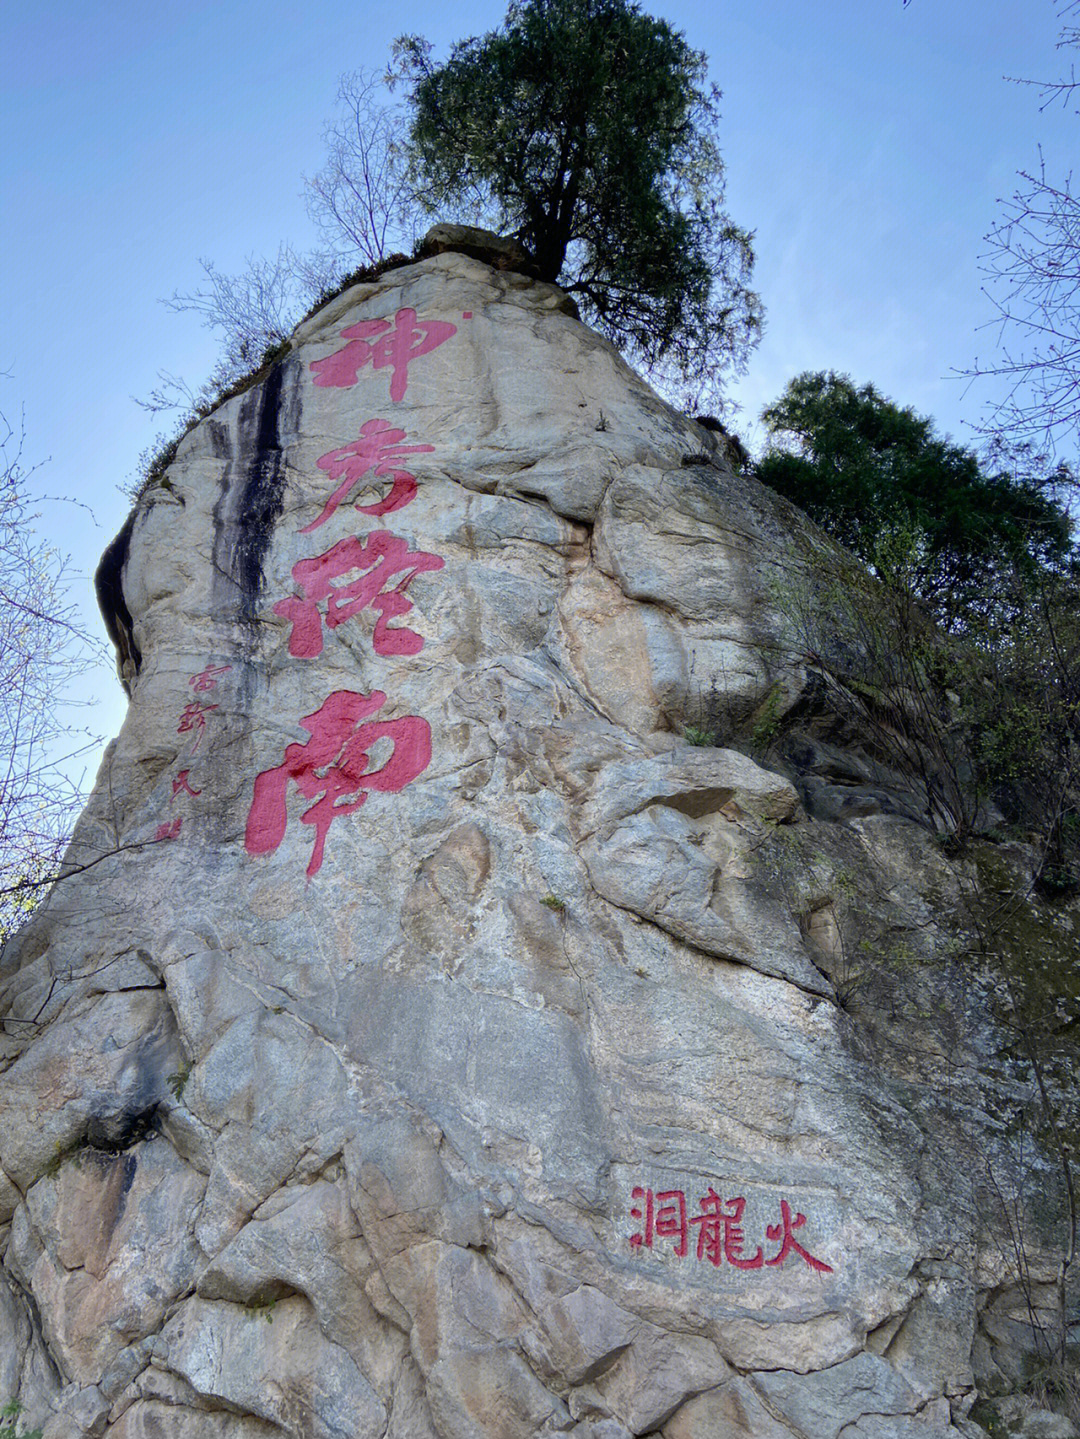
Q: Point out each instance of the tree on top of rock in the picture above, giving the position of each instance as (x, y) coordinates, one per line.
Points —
(588, 130)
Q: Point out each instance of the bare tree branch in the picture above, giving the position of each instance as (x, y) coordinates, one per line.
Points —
(42, 646)
(1032, 269)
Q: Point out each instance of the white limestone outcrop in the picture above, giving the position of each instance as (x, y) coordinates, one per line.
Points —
(436, 1044)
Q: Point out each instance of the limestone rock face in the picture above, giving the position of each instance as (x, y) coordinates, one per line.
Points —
(430, 1042)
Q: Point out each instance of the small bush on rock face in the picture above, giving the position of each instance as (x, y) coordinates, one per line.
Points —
(696, 735)
(9, 1423)
(1048, 1406)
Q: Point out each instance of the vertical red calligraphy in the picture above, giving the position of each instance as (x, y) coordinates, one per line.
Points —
(331, 768)
(193, 719)
(207, 679)
(182, 785)
(376, 343)
(379, 558)
(374, 452)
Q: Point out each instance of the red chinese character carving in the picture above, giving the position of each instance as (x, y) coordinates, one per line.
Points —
(671, 1218)
(194, 718)
(374, 452)
(375, 343)
(720, 1235)
(664, 1216)
(332, 766)
(773, 1232)
(181, 784)
(646, 1235)
(378, 557)
(169, 830)
(206, 679)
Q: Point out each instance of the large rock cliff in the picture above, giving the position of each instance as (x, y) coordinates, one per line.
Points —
(429, 1040)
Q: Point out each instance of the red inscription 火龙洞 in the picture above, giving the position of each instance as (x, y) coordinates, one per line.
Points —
(720, 1235)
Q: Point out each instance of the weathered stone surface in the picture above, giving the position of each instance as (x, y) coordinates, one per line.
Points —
(358, 1087)
(500, 251)
(1017, 1416)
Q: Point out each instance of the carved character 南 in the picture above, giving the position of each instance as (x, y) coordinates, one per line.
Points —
(331, 768)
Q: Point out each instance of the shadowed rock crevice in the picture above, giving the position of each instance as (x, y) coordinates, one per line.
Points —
(109, 588)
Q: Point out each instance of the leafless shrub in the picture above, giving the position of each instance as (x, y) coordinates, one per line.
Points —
(42, 646)
(363, 201)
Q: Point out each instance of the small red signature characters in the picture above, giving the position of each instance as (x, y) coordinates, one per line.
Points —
(378, 343)
(182, 785)
(169, 830)
(332, 769)
(378, 558)
(193, 719)
(376, 452)
(207, 679)
(720, 1237)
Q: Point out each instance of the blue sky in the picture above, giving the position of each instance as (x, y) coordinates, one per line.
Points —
(866, 144)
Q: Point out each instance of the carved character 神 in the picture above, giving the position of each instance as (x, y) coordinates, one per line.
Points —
(376, 343)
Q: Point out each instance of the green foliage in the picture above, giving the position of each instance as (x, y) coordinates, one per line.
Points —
(698, 735)
(177, 1082)
(878, 478)
(588, 129)
(9, 1422)
(257, 1309)
(767, 721)
(982, 721)
(552, 901)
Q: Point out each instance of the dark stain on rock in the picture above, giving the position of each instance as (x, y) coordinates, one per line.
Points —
(106, 1202)
(253, 494)
(109, 587)
(115, 1130)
